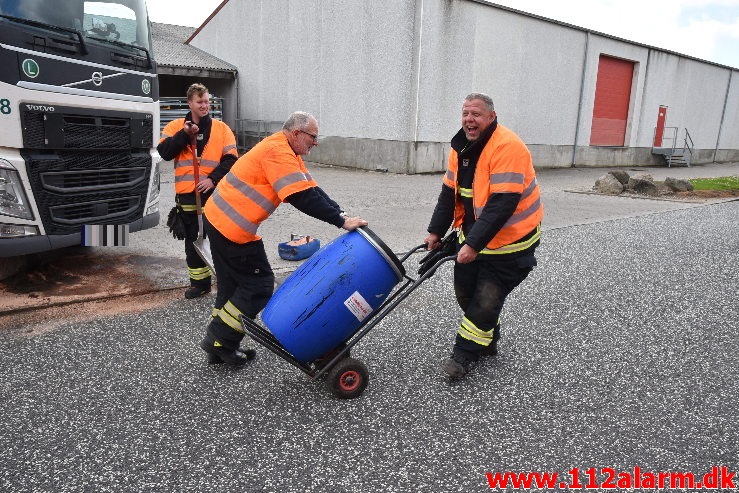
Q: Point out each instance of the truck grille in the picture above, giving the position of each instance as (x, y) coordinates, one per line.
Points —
(52, 130)
(70, 194)
(83, 181)
(87, 168)
(112, 134)
(90, 212)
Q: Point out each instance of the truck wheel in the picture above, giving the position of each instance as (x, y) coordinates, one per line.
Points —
(348, 378)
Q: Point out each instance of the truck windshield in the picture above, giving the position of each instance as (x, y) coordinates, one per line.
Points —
(118, 21)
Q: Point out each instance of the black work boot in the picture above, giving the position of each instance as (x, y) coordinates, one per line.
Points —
(459, 363)
(196, 292)
(249, 354)
(227, 355)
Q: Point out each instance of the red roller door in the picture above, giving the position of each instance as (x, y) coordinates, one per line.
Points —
(611, 109)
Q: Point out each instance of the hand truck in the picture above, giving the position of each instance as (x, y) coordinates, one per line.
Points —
(346, 376)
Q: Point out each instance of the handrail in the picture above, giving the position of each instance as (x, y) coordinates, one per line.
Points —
(687, 144)
(257, 128)
(688, 147)
(667, 138)
(248, 132)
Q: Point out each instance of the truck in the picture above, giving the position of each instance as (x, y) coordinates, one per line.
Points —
(79, 122)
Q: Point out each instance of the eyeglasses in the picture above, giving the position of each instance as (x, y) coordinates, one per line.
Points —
(314, 137)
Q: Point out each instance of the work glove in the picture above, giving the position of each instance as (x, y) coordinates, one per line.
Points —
(176, 223)
(448, 248)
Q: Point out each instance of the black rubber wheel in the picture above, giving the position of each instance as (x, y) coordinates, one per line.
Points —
(348, 378)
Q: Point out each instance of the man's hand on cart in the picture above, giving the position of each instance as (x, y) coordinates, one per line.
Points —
(439, 250)
(466, 254)
(432, 241)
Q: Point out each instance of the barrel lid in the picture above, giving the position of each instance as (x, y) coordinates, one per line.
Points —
(381, 247)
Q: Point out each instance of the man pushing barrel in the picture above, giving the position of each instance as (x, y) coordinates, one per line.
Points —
(272, 172)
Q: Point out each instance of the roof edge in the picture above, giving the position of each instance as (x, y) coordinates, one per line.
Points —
(602, 34)
(212, 14)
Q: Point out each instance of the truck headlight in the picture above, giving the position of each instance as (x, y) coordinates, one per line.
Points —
(155, 183)
(13, 200)
(154, 193)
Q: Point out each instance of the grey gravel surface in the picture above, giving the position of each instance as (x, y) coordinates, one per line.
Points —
(620, 350)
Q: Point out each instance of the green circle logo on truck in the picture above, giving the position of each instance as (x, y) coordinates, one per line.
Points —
(30, 68)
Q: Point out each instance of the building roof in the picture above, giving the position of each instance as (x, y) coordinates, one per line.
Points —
(174, 57)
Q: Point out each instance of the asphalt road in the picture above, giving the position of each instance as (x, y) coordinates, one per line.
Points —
(620, 351)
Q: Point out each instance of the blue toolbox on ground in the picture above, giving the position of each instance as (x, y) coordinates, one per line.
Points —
(298, 248)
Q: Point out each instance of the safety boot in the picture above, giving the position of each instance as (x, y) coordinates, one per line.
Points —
(196, 292)
(458, 364)
(249, 354)
(229, 356)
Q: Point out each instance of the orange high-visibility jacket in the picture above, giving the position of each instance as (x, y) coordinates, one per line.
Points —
(256, 185)
(504, 166)
(220, 143)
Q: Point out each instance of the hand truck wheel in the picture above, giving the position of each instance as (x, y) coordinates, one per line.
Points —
(348, 378)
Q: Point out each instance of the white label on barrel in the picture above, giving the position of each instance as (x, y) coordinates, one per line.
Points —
(358, 306)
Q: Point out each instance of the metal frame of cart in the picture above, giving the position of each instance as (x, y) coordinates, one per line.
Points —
(347, 377)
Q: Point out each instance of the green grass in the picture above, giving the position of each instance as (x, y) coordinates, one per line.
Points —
(721, 183)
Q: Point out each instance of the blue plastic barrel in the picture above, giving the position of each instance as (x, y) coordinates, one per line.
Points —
(324, 302)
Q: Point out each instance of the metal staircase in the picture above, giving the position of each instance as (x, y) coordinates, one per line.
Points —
(677, 151)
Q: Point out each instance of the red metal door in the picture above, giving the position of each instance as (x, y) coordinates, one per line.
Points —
(612, 97)
(659, 133)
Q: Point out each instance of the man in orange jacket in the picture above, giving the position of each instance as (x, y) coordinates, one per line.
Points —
(272, 172)
(491, 198)
(216, 148)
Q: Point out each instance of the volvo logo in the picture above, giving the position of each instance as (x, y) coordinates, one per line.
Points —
(145, 86)
(97, 78)
(37, 107)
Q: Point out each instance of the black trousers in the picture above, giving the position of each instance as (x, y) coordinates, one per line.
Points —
(245, 284)
(195, 264)
(481, 288)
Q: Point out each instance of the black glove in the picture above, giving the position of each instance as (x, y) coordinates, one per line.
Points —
(176, 223)
(448, 248)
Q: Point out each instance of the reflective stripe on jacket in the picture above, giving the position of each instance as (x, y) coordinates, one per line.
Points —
(220, 143)
(504, 166)
(256, 185)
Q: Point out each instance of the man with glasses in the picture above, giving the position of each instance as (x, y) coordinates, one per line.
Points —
(272, 172)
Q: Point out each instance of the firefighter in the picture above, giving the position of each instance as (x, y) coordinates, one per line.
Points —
(490, 197)
(272, 172)
(216, 147)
